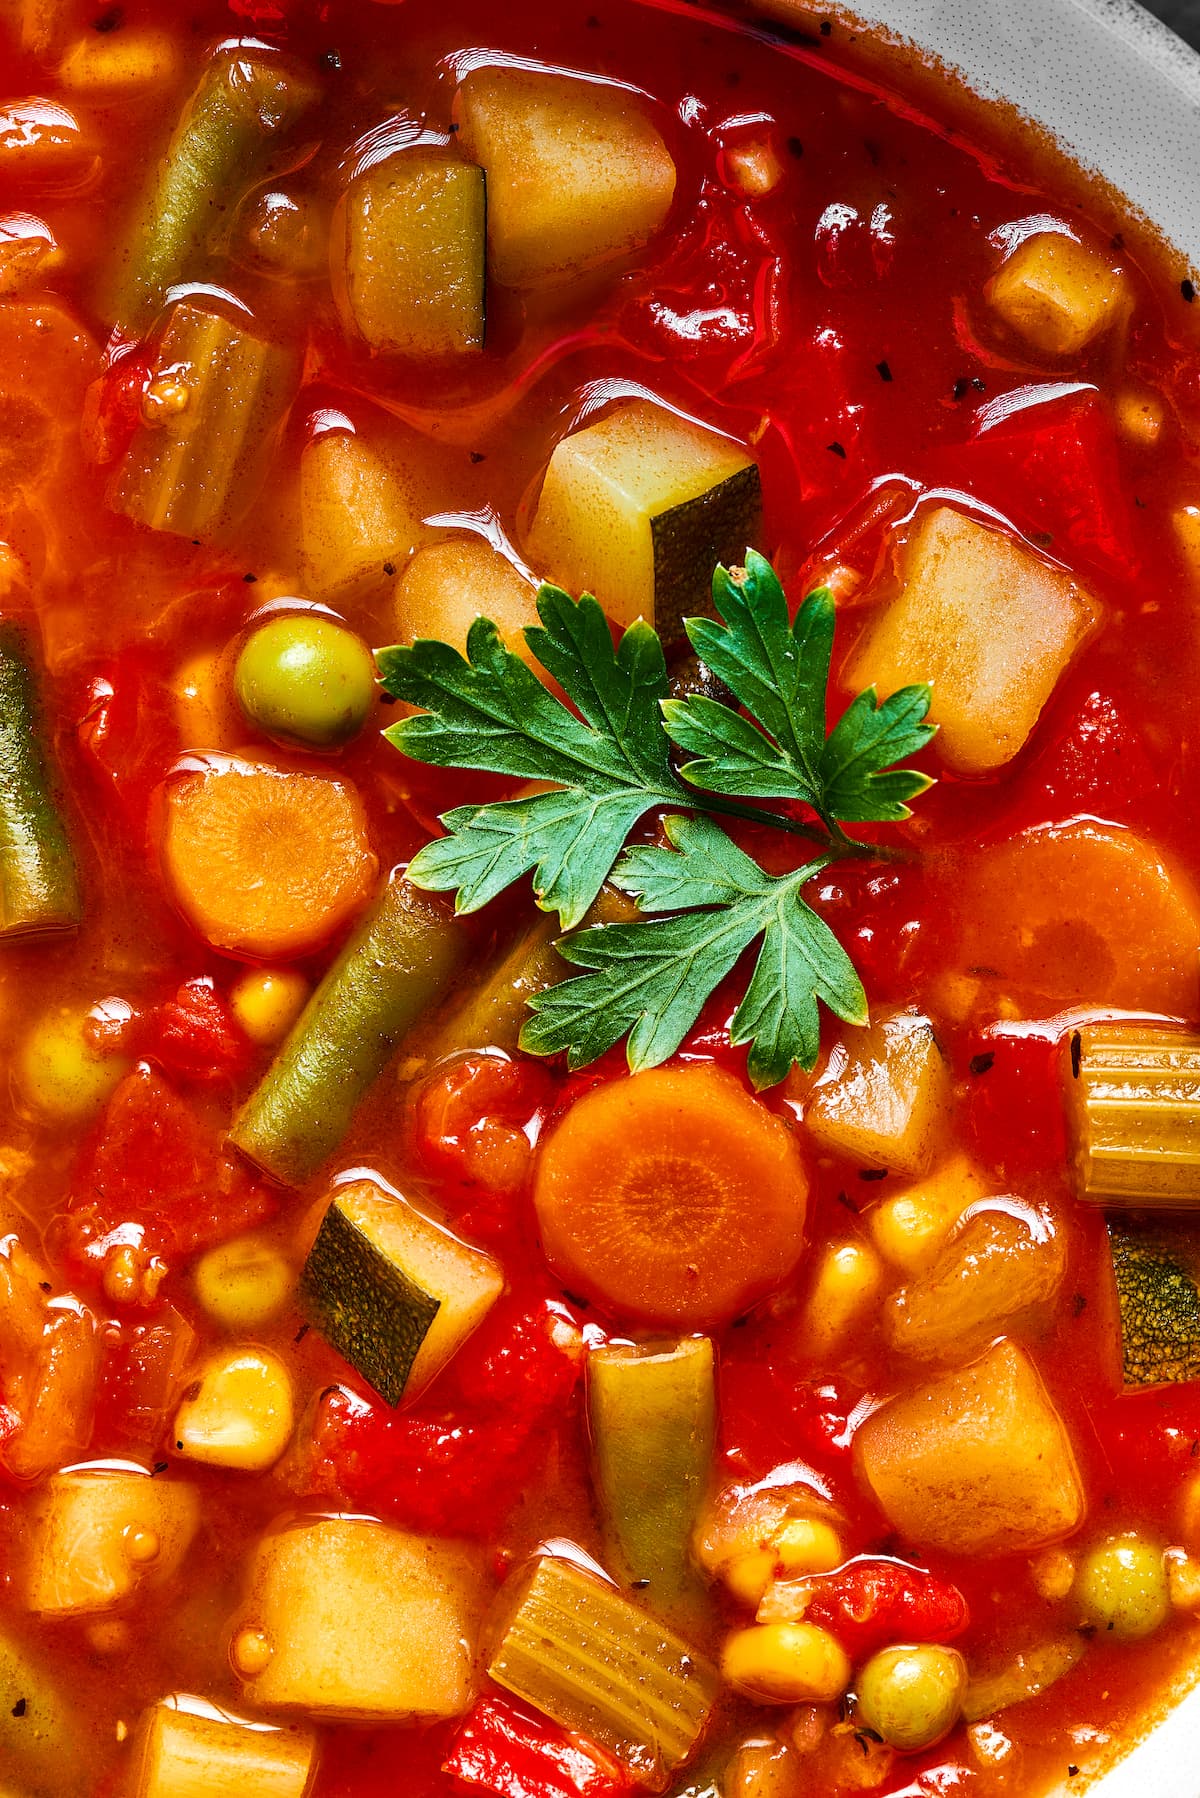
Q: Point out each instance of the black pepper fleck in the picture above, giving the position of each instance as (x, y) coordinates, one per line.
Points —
(302, 1332)
(45, 1286)
(250, 579)
(978, 383)
(836, 449)
(826, 27)
(110, 20)
(478, 456)
(844, 1198)
(639, 1585)
(389, 568)
(883, 370)
(332, 59)
(872, 1173)
(160, 1467)
(1079, 1303)
(960, 388)
(1076, 1054)
(979, 1064)
(20, 1707)
(795, 147)
(1188, 290)
(1072, 1769)
(387, 699)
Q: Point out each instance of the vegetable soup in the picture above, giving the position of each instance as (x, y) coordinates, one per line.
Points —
(599, 916)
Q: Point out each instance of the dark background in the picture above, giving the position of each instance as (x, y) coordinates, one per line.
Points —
(1184, 15)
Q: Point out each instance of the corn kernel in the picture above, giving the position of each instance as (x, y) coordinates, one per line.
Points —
(1053, 1574)
(753, 168)
(786, 1663)
(808, 1545)
(251, 1651)
(118, 64)
(847, 1282)
(267, 1002)
(244, 1283)
(239, 1413)
(910, 1227)
(748, 1575)
(1057, 294)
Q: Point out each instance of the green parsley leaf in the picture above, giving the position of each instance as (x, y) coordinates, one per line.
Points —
(489, 711)
(651, 979)
(779, 670)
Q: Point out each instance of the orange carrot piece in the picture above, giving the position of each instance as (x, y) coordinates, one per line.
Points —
(1080, 914)
(264, 863)
(672, 1197)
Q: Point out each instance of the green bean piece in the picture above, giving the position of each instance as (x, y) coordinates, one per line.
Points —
(395, 966)
(244, 102)
(652, 1415)
(196, 469)
(39, 888)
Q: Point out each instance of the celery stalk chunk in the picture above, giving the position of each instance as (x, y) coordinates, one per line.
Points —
(414, 246)
(39, 888)
(197, 468)
(1134, 1110)
(245, 101)
(188, 1749)
(398, 964)
(652, 1413)
(575, 1648)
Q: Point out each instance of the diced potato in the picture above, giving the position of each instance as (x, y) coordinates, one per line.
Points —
(345, 1617)
(447, 586)
(1005, 1263)
(986, 621)
(413, 246)
(244, 1283)
(1080, 914)
(910, 1227)
(844, 1290)
(978, 1463)
(1057, 294)
(640, 508)
(239, 1411)
(884, 1096)
(1185, 521)
(96, 1536)
(187, 1749)
(359, 518)
(577, 176)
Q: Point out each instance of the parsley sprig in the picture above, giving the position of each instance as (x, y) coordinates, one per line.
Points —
(606, 759)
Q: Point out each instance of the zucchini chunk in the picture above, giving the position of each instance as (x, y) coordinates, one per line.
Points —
(245, 101)
(187, 1749)
(640, 508)
(414, 252)
(652, 1416)
(1159, 1300)
(224, 396)
(1134, 1111)
(39, 888)
(577, 176)
(358, 516)
(394, 1293)
(397, 965)
(883, 1096)
(97, 1535)
(345, 1617)
(1057, 294)
(977, 1463)
(990, 624)
(573, 1647)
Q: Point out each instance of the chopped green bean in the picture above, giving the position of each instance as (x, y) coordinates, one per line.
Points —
(39, 889)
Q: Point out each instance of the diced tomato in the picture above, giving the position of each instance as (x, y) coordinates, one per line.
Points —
(125, 731)
(193, 1036)
(1015, 1110)
(113, 407)
(474, 1121)
(871, 1603)
(510, 1754)
(140, 1383)
(1151, 1441)
(768, 1417)
(1099, 765)
(152, 1164)
(455, 1471)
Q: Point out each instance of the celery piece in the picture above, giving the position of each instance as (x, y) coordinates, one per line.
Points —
(39, 889)
(1023, 1677)
(578, 1650)
(652, 1413)
(43, 1744)
(223, 399)
(1134, 1108)
(414, 243)
(397, 964)
(245, 101)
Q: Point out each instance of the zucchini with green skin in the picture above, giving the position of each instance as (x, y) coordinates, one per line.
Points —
(39, 887)
(397, 965)
(394, 1293)
(652, 1416)
(196, 466)
(1159, 1300)
(245, 101)
(576, 1649)
(414, 254)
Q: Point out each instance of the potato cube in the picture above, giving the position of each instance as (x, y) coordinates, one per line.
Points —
(98, 1535)
(447, 586)
(985, 620)
(358, 515)
(187, 1749)
(884, 1095)
(639, 509)
(577, 176)
(345, 1617)
(1057, 294)
(977, 1463)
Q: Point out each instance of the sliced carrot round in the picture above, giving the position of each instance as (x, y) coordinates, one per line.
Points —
(1080, 914)
(672, 1197)
(265, 863)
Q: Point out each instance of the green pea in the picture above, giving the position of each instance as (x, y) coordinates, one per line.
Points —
(1121, 1587)
(305, 679)
(911, 1697)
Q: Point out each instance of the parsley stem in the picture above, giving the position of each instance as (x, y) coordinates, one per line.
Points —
(831, 838)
